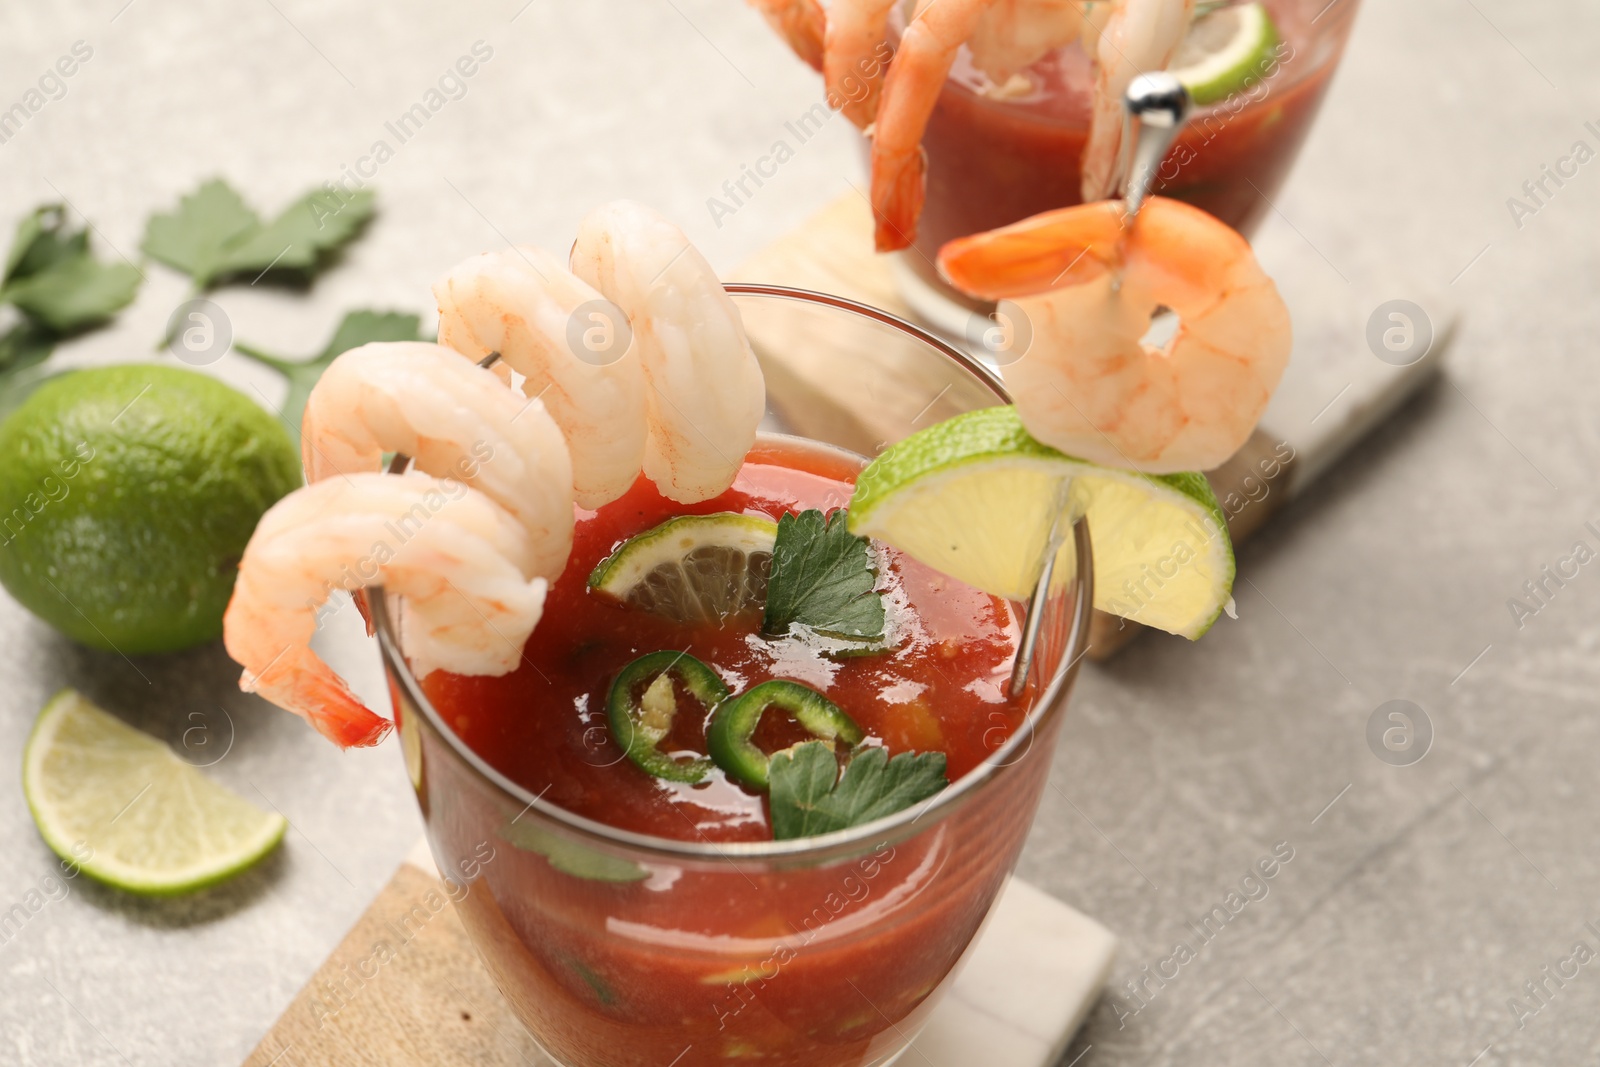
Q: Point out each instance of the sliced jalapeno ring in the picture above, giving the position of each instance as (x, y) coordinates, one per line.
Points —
(734, 724)
(641, 719)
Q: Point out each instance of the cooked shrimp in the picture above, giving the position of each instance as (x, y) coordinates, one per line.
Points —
(1140, 36)
(916, 77)
(455, 420)
(1089, 287)
(464, 565)
(706, 392)
(521, 303)
(1014, 33)
(799, 22)
(856, 54)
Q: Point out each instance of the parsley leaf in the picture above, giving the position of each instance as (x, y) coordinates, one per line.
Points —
(822, 577)
(42, 240)
(213, 235)
(807, 801)
(75, 294)
(53, 278)
(191, 239)
(299, 239)
(356, 329)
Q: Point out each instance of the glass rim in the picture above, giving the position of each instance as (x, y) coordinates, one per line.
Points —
(1337, 27)
(894, 827)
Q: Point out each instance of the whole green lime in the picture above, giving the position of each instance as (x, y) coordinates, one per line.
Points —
(127, 495)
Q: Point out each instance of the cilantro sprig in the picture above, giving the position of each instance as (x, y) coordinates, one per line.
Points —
(214, 236)
(809, 796)
(357, 328)
(822, 577)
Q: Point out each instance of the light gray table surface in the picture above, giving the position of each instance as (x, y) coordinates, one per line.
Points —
(1419, 900)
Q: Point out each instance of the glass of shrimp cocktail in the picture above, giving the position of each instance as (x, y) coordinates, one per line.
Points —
(727, 674)
(1008, 110)
(638, 909)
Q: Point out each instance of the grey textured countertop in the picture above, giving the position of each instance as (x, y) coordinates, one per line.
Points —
(1419, 899)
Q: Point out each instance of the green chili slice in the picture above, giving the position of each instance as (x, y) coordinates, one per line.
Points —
(642, 706)
(735, 722)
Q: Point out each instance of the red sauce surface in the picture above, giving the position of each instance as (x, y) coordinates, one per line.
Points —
(544, 726)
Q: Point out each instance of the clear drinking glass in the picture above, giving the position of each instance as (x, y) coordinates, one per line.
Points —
(997, 157)
(618, 949)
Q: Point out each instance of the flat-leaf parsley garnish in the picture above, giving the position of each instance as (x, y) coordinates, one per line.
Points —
(810, 797)
(213, 235)
(822, 577)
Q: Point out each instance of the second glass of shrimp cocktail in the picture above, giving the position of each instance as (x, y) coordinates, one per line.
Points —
(1003, 110)
(727, 674)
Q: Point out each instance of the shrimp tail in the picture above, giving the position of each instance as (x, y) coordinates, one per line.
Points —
(910, 93)
(1068, 246)
(898, 191)
(302, 683)
(359, 598)
(800, 23)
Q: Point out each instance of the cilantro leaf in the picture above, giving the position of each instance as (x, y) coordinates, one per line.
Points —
(822, 577)
(807, 801)
(355, 329)
(53, 278)
(213, 235)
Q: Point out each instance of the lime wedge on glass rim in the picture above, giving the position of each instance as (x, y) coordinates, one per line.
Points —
(121, 806)
(695, 568)
(1226, 50)
(974, 497)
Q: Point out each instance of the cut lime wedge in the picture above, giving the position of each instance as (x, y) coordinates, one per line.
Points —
(1227, 50)
(696, 568)
(117, 803)
(974, 498)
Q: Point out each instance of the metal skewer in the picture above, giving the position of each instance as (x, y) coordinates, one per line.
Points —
(1039, 602)
(1160, 104)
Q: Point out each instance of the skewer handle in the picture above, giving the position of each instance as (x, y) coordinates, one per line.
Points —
(1160, 105)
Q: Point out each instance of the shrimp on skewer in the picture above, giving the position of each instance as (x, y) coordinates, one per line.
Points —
(706, 391)
(463, 563)
(799, 22)
(1089, 286)
(521, 303)
(1141, 36)
(455, 420)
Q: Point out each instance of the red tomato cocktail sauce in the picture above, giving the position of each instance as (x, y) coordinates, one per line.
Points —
(544, 726)
(700, 951)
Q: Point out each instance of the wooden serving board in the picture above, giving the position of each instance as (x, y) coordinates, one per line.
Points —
(401, 990)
